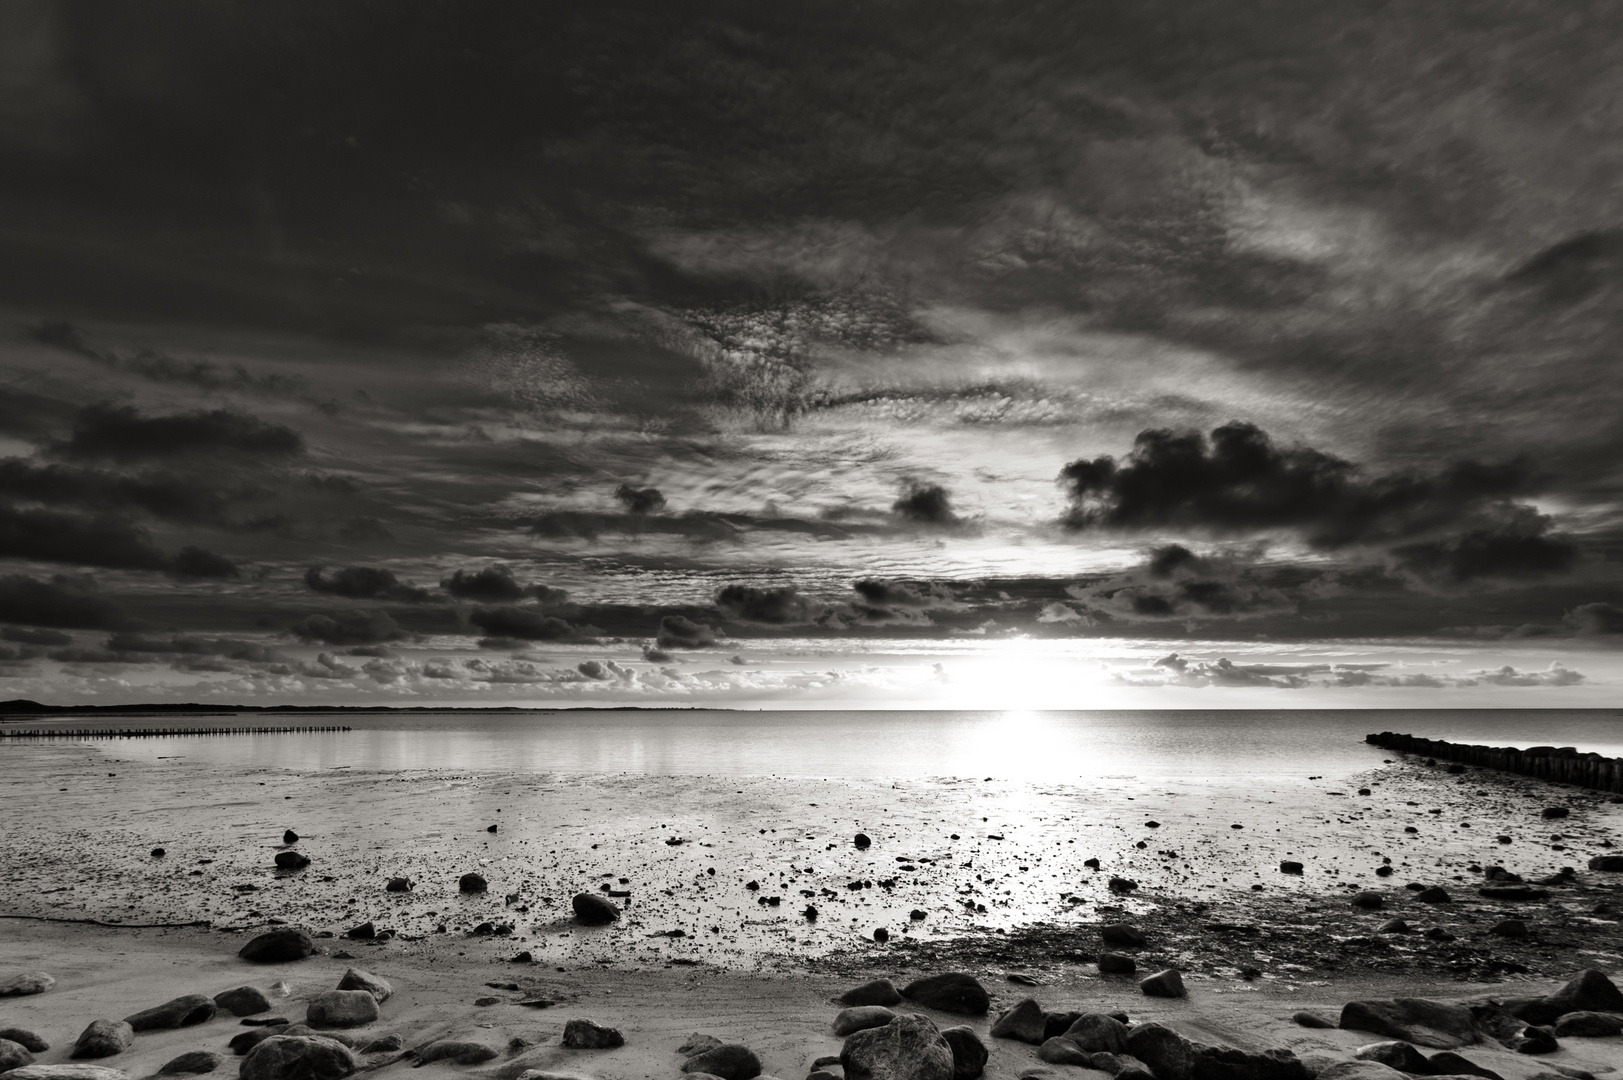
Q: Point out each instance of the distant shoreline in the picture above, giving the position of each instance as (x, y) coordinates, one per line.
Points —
(23, 709)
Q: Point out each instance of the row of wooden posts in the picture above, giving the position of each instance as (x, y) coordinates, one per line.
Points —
(137, 733)
(1560, 764)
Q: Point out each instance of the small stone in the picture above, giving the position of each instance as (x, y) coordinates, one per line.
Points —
(194, 1063)
(278, 946)
(1449, 1063)
(158, 853)
(1168, 984)
(456, 1051)
(103, 1038)
(243, 1001)
(1098, 1034)
(908, 1048)
(1434, 895)
(698, 1043)
(25, 1039)
(953, 992)
(1025, 1022)
(1510, 928)
(1368, 900)
(298, 1057)
(586, 1035)
(969, 1054)
(14, 1055)
(862, 842)
(1112, 963)
(181, 1012)
(291, 860)
(731, 1061)
(877, 992)
(398, 884)
(1307, 1019)
(593, 910)
(861, 1017)
(1586, 1025)
(245, 1041)
(388, 1044)
(1290, 866)
(366, 931)
(1062, 1051)
(1121, 934)
(342, 1009)
(31, 982)
(290, 837)
(1553, 812)
(1394, 926)
(471, 883)
(1395, 1053)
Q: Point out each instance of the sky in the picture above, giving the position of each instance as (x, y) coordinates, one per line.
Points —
(1035, 354)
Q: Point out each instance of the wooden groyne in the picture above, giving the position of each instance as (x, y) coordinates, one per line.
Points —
(1558, 764)
(140, 733)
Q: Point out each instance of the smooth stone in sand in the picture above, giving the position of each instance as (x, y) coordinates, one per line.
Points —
(1123, 935)
(909, 1048)
(25, 1039)
(1312, 1019)
(193, 1064)
(185, 1011)
(1026, 1022)
(245, 1041)
(298, 1057)
(67, 1072)
(1368, 900)
(243, 1001)
(588, 1035)
(13, 1055)
(377, 986)
(1449, 1063)
(472, 883)
(103, 1038)
(1586, 1025)
(1167, 1053)
(593, 910)
(877, 992)
(952, 991)
(1062, 1051)
(862, 1017)
(698, 1043)
(29, 982)
(1167, 984)
(291, 860)
(969, 1054)
(1113, 963)
(1097, 1033)
(342, 1009)
(730, 1061)
(1395, 1053)
(456, 1051)
(1437, 1024)
(1589, 991)
(389, 1044)
(278, 946)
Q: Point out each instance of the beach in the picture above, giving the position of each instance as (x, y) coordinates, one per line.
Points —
(714, 876)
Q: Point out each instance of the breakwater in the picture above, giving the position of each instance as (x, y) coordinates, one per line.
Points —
(140, 733)
(1559, 764)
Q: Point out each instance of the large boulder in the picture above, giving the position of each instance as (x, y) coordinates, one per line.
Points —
(1062, 1051)
(1097, 1033)
(877, 992)
(13, 1055)
(952, 991)
(1584, 1025)
(182, 1012)
(1436, 1024)
(1166, 984)
(592, 910)
(298, 1057)
(194, 1063)
(861, 1018)
(730, 1061)
(1609, 863)
(587, 1035)
(1168, 1054)
(456, 1051)
(1394, 1053)
(969, 1054)
(29, 982)
(342, 1009)
(243, 1001)
(1026, 1022)
(1588, 991)
(103, 1038)
(908, 1048)
(278, 946)
(377, 986)
(67, 1072)
(1227, 1063)
(25, 1039)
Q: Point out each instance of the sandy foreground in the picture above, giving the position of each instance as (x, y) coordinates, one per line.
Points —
(697, 951)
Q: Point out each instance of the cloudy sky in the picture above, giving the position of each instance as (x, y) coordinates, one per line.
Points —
(1038, 354)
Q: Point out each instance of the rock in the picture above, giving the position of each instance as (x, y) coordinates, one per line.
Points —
(25, 1039)
(1589, 991)
(1583, 1024)
(1167, 1053)
(1097, 1033)
(698, 1044)
(1025, 1022)
(278, 946)
(593, 910)
(1360, 1070)
(290, 837)
(457, 1052)
(1115, 963)
(1121, 1066)
(342, 1009)
(194, 1063)
(298, 1057)
(862, 1017)
(243, 1001)
(1227, 1063)
(471, 883)
(13, 1055)
(731, 1061)
(181, 1012)
(861, 841)
(1534, 1040)
(1394, 926)
(356, 979)
(1312, 1020)
(952, 991)
(1399, 1055)
(1123, 935)
(969, 1054)
(1436, 1024)
(1167, 984)
(1062, 1051)
(291, 860)
(103, 1038)
(67, 1072)
(1290, 866)
(158, 853)
(586, 1035)
(1056, 1023)
(1555, 812)
(1449, 1063)
(29, 982)
(908, 1048)
(1434, 895)
(398, 884)
(245, 1041)
(1609, 863)
(388, 1044)
(1367, 899)
(366, 931)
(336, 1036)
(1510, 928)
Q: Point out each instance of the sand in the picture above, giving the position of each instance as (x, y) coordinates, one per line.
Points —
(77, 844)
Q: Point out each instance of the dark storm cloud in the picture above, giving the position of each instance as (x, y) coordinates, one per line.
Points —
(161, 367)
(1573, 269)
(354, 627)
(193, 645)
(640, 500)
(527, 624)
(165, 495)
(1521, 544)
(365, 583)
(1598, 618)
(681, 632)
(121, 432)
(928, 504)
(50, 536)
(196, 562)
(780, 605)
(496, 583)
(65, 601)
(28, 636)
(882, 601)
(698, 525)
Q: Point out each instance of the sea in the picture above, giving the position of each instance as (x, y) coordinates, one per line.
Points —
(1218, 745)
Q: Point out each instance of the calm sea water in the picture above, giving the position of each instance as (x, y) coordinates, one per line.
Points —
(1055, 746)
